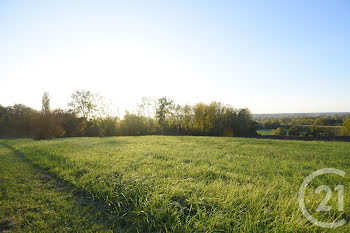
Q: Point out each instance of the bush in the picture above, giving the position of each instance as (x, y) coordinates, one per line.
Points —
(73, 125)
(294, 131)
(93, 130)
(346, 127)
(110, 127)
(315, 131)
(45, 126)
(324, 131)
(299, 131)
(280, 131)
(15, 121)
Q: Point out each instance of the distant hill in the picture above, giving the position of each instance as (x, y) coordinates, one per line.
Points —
(280, 115)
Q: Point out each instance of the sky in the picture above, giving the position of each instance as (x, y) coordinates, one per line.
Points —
(268, 56)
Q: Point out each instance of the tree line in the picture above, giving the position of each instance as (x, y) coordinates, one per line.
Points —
(287, 122)
(88, 114)
(314, 126)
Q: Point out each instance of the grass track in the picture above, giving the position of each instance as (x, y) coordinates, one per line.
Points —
(186, 184)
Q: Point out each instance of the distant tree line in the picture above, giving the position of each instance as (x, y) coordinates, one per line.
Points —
(88, 115)
(287, 122)
(315, 126)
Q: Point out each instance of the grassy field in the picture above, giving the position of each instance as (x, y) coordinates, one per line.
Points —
(33, 200)
(166, 184)
(264, 131)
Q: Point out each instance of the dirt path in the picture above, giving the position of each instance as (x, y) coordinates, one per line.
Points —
(32, 200)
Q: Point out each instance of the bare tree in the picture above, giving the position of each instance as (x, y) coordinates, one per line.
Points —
(146, 107)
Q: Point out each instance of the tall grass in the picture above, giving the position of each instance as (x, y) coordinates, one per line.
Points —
(196, 184)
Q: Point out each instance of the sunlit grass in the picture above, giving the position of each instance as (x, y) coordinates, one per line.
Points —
(264, 131)
(31, 200)
(188, 184)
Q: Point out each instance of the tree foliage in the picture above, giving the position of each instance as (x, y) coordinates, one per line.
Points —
(45, 103)
(89, 116)
(84, 103)
(164, 111)
(280, 132)
(346, 127)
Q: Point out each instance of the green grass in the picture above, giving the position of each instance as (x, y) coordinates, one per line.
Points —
(188, 184)
(33, 200)
(267, 132)
(264, 131)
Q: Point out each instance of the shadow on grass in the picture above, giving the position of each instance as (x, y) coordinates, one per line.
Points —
(95, 211)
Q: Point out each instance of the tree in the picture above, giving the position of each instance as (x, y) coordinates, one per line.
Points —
(45, 103)
(279, 131)
(200, 117)
(177, 116)
(346, 127)
(73, 125)
(109, 126)
(315, 131)
(84, 103)
(90, 115)
(165, 105)
(15, 121)
(188, 119)
(46, 126)
(270, 124)
(295, 131)
(146, 107)
(246, 124)
(93, 129)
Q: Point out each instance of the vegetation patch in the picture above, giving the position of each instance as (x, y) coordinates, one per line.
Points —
(191, 184)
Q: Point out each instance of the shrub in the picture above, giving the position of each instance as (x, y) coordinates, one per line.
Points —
(294, 131)
(346, 127)
(73, 126)
(280, 131)
(110, 127)
(298, 131)
(45, 126)
(93, 130)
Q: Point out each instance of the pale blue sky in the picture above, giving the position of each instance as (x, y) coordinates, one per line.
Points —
(269, 56)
